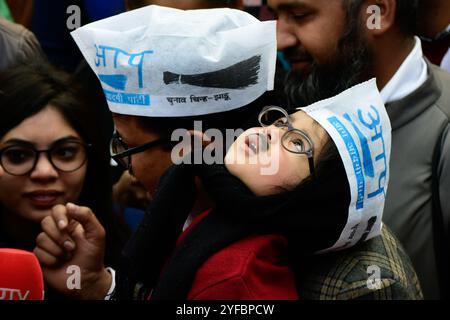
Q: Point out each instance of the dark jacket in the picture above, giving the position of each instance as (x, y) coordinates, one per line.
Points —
(253, 269)
(220, 257)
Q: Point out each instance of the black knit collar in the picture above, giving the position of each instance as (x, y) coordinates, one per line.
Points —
(311, 217)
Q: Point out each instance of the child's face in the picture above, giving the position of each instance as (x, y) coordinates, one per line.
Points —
(259, 159)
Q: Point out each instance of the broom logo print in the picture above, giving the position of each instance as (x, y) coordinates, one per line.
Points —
(238, 76)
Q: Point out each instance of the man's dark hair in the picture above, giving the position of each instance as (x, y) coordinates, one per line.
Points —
(406, 15)
(234, 119)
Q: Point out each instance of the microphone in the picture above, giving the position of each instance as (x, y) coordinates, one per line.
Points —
(20, 276)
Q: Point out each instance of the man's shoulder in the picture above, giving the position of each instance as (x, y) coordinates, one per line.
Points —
(443, 82)
(376, 269)
(442, 74)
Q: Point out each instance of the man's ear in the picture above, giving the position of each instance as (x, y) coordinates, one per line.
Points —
(379, 16)
(127, 5)
(192, 142)
(199, 139)
(238, 4)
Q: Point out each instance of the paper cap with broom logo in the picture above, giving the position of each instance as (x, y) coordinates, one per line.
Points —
(358, 123)
(164, 62)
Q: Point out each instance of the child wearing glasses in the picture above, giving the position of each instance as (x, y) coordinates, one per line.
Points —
(231, 251)
(261, 229)
(50, 155)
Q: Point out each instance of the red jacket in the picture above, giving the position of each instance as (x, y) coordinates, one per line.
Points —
(249, 269)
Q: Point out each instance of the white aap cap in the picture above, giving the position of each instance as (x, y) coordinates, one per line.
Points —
(164, 62)
(359, 125)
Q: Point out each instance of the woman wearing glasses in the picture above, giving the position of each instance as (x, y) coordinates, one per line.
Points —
(50, 154)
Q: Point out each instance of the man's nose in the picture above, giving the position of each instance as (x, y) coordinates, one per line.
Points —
(44, 169)
(286, 37)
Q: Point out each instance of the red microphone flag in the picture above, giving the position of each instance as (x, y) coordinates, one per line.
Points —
(20, 276)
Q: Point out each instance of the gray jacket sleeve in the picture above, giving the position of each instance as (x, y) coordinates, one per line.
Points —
(444, 178)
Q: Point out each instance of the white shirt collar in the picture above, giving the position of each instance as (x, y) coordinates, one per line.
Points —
(409, 77)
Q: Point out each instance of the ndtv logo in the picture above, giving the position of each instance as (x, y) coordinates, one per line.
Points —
(9, 294)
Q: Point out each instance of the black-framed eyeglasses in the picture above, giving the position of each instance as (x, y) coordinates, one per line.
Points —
(121, 153)
(293, 140)
(20, 159)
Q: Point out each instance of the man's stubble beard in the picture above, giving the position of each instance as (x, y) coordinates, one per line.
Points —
(348, 66)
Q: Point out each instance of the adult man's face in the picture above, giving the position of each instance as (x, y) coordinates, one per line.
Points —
(328, 53)
(147, 166)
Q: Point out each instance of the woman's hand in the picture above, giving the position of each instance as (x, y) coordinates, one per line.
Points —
(72, 236)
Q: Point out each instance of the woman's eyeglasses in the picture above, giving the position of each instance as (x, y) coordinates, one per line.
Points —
(21, 159)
